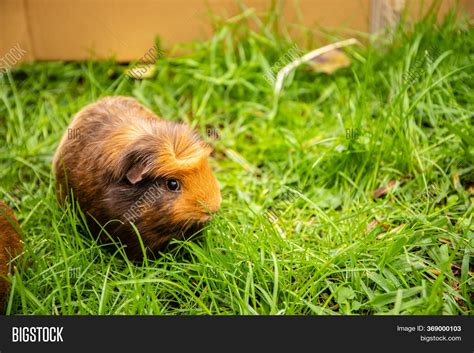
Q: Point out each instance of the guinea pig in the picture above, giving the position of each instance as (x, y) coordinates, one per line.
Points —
(10, 247)
(128, 168)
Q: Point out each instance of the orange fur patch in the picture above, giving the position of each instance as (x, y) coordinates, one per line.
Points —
(181, 150)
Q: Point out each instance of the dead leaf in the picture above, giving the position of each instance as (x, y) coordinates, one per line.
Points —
(456, 182)
(330, 62)
(371, 225)
(382, 191)
(397, 228)
(374, 223)
(391, 231)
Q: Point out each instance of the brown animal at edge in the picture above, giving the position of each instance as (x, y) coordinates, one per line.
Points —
(10, 247)
(125, 166)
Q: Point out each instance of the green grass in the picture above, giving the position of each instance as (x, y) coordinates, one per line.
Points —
(291, 236)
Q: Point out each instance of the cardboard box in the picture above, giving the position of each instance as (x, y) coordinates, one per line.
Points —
(126, 29)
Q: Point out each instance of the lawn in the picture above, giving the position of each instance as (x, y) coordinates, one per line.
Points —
(348, 193)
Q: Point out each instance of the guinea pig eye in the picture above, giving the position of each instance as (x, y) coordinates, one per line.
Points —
(173, 185)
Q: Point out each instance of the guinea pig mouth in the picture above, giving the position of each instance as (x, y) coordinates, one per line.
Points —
(204, 220)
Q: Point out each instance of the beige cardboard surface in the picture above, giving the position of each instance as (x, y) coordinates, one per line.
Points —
(14, 29)
(126, 29)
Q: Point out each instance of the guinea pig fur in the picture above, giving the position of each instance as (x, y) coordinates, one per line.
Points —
(124, 164)
(10, 246)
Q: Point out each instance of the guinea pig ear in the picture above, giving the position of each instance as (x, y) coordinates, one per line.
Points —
(136, 172)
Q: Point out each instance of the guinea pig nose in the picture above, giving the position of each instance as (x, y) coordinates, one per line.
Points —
(210, 207)
(213, 210)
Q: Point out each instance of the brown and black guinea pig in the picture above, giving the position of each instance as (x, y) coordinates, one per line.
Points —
(10, 247)
(126, 165)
